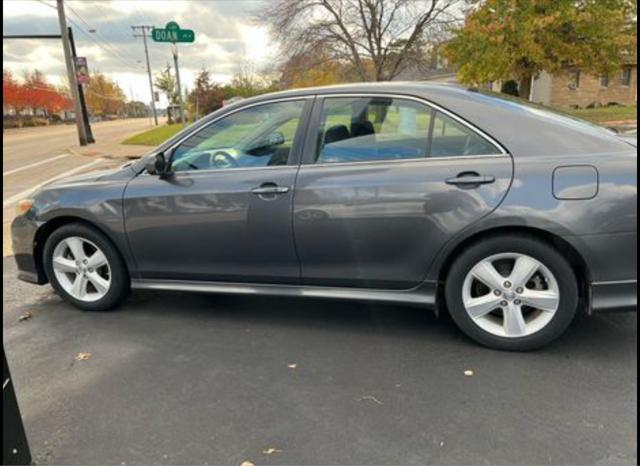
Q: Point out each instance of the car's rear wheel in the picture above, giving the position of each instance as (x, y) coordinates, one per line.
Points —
(85, 268)
(512, 293)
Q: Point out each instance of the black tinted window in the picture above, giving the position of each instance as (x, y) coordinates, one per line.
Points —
(380, 128)
(451, 138)
(371, 129)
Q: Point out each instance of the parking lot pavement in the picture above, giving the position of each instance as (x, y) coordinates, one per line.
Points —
(193, 379)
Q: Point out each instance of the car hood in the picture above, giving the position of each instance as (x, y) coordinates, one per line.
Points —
(114, 174)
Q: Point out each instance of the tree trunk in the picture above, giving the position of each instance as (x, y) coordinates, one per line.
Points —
(525, 88)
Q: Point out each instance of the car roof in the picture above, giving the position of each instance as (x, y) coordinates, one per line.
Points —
(522, 129)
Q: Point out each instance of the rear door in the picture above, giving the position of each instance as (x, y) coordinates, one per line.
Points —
(385, 182)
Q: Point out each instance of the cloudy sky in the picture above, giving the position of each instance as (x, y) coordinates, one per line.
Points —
(225, 33)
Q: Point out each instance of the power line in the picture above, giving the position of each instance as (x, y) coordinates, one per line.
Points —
(104, 46)
(90, 29)
(144, 36)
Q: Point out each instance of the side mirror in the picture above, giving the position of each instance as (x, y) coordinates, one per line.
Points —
(158, 165)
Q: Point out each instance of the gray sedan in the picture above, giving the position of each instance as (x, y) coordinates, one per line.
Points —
(509, 217)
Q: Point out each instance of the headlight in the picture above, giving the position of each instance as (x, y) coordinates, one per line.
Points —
(24, 206)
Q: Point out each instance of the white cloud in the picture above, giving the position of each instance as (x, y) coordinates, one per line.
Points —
(224, 37)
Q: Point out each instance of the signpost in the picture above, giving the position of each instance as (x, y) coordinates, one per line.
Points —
(174, 35)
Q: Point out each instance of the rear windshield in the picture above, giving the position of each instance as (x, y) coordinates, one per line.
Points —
(544, 111)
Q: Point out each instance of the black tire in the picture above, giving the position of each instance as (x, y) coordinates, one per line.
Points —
(120, 282)
(539, 250)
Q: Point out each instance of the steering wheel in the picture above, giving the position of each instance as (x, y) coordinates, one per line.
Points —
(214, 159)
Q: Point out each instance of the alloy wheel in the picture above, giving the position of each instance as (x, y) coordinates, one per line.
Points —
(511, 295)
(81, 268)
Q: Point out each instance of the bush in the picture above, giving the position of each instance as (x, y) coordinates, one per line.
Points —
(23, 122)
(11, 123)
(510, 87)
(32, 122)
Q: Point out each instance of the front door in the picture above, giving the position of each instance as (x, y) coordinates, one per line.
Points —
(225, 212)
(384, 184)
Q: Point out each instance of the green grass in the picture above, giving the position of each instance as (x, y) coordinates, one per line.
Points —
(605, 114)
(154, 136)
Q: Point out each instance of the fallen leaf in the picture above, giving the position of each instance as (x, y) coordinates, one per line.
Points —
(468, 373)
(292, 366)
(82, 356)
(247, 463)
(25, 316)
(371, 398)
(271, 451)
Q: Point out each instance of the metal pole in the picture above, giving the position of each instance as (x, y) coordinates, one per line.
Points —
(175, 61)
(73, 85)
(146, 54)
(153, 102)
(83, 104)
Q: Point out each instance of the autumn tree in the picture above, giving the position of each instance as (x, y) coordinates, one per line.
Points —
(247, 79)
(517, 39)
(34, 93)
(104, 96)
(205, 97)
(167, 84)
(379, 38)
(11, 92)
(314, 69)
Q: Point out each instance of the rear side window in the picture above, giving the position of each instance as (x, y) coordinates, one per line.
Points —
(368, 129)
(451, 138)
(371, 129)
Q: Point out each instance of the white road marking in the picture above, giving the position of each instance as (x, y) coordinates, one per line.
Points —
(15, 198)
(35, 164)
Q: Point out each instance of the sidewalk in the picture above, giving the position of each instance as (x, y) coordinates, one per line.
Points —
(110, 150)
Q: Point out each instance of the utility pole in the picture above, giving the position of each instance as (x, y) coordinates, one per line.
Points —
(73, 85)
(174, 49)
(144, 29)
(83, 104)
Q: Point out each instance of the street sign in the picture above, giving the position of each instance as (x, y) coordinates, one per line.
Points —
(172, 33)
(82, 70)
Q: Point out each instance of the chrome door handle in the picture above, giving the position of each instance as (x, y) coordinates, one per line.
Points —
(470, 180)
(262, 190)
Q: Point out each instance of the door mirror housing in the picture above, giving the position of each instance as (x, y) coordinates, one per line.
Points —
(158, 165)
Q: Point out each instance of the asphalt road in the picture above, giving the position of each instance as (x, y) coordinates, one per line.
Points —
(28, 153)
(192, 379)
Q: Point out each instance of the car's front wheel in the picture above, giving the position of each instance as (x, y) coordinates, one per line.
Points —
(85, 268)
(512, 293)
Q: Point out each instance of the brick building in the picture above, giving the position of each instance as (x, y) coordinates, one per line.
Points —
(573, 88)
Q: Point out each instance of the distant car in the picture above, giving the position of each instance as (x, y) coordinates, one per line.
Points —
(509, 217)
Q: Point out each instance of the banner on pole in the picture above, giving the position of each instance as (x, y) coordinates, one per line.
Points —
(82, 70)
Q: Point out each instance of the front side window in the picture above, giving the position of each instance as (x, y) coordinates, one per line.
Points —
(260, 136)
(366, 129)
